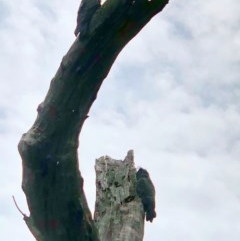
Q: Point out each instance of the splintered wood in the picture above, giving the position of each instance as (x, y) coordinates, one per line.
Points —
(119, 214)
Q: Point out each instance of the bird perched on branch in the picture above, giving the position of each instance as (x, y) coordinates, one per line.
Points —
(146, 191)
(85, 12)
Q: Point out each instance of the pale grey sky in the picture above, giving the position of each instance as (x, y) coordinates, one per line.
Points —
(173, 95)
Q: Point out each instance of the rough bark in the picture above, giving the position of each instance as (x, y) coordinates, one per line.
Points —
(52, 181)
(119, 214)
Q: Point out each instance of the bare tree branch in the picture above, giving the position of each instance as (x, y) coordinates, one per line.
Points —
(51, 178)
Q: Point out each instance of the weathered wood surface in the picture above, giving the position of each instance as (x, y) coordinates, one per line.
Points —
(119, 213)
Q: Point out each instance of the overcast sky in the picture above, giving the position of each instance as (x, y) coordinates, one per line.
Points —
(173, 95)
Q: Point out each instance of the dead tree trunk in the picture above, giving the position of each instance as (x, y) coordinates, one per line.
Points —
(51, 178)
(119, 214)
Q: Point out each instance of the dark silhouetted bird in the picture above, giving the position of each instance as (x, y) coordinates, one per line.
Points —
(85, 12)
(146, 191)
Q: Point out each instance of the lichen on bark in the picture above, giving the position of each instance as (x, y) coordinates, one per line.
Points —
(119, 214)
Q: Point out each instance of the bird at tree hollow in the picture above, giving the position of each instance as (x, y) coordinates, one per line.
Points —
(85, 12)
(146, 191)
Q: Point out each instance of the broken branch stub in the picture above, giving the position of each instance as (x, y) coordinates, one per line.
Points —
(119, 213)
